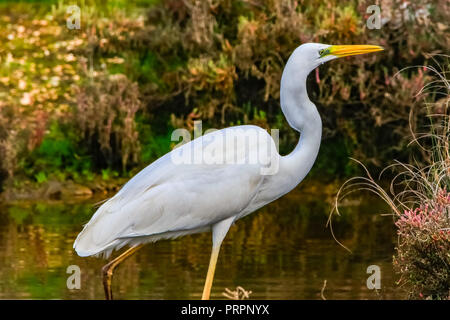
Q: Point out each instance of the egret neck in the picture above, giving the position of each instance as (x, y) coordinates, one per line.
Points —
(302, 116)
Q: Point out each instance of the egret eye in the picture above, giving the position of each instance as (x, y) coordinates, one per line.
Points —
(321, 52)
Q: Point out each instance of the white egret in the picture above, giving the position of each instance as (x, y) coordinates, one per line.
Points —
(169, 198)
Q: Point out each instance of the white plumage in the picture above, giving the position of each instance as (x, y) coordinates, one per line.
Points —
(169, 199)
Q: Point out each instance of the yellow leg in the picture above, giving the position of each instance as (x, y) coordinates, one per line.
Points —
(108, 270)
(210, 275)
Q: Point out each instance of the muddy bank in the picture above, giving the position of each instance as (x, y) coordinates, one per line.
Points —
(60, 190)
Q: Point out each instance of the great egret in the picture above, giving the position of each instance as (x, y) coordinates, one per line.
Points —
(171, 198)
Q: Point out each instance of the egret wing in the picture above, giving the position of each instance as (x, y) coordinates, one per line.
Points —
(178, 193)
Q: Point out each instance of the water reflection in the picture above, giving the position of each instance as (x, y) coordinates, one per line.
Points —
(281, 252)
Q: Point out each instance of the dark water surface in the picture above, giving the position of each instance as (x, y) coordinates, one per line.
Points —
(282, 251)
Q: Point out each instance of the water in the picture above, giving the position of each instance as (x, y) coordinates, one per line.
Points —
(283, 251)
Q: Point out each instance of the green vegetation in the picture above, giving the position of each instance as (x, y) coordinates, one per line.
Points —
(102, 101)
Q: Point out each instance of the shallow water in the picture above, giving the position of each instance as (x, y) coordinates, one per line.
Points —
(282, 251)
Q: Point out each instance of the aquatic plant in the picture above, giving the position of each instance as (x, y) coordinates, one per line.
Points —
(423, 253)
(418, 197)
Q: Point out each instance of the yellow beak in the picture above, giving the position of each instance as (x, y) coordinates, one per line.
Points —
(351, 50)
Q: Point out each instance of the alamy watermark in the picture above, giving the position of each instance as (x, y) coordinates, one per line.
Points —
(374, 20)
(374, 281)
(74, 280)
(74, 20)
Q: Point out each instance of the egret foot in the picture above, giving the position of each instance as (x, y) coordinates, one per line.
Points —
(108, 270)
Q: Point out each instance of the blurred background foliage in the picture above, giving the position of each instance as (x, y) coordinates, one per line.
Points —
(103, 100)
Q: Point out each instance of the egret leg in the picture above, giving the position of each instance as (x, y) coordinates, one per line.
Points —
(210, 274)
(108, 270)
(219, 231)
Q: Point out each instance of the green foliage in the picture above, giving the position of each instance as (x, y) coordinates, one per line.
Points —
(333, 161)
(137, 70)
(55, 149)
(108, 174)
(40, 177)
(58, 156)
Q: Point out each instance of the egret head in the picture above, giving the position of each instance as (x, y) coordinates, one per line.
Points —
(297, 108)
(312, 55)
